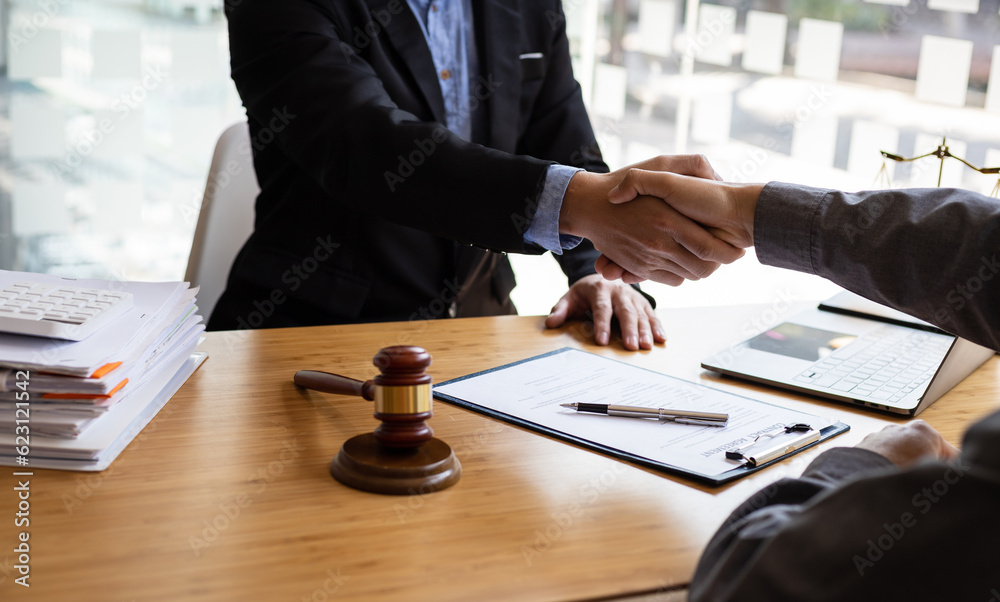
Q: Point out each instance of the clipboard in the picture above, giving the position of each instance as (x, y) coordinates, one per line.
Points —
(769, 447)
(481, 393)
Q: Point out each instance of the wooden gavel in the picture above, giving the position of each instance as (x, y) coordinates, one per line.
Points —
(401, 457)
(402, 394)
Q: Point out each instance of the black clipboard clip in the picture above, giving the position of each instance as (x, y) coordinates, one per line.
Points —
(775, 444)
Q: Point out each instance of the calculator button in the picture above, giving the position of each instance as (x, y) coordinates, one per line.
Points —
(56, 311)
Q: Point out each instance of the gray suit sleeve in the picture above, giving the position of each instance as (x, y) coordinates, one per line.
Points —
(854, 527)
(931, 253)
(733, 559)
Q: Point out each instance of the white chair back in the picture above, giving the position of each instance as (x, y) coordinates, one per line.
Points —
(226, 217)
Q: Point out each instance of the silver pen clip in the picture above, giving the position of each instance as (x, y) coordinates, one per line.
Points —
(698, 421)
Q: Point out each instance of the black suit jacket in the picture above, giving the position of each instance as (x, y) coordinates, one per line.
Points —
(369, 206)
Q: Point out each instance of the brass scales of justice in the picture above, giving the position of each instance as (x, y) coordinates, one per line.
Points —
(942, 153)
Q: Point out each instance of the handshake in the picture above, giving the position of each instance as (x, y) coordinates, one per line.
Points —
(667, 219)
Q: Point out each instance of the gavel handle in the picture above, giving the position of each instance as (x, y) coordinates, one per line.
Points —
(334, 383)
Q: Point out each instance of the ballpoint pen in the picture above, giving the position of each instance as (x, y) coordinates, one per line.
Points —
(681, 416)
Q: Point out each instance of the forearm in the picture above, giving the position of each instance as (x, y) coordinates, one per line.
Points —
(585, 201)
(732, 558)
(931, 253)
(576, 256)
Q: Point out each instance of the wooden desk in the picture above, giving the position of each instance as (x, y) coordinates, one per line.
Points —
(226, 495)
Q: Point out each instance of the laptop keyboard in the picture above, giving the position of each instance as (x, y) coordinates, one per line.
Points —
(885, 365)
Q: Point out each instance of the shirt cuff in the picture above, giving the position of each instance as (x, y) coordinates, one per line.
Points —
(544, 228)
(784, 225)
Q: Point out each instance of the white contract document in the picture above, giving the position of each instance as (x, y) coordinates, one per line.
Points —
(528, 394)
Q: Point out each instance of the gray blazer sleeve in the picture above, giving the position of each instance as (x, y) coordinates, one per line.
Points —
(855, 528)
(931, 253)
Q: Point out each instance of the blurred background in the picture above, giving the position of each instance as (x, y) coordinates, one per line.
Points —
(110, 109)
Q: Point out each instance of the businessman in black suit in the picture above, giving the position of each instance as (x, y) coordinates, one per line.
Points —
(389, 192)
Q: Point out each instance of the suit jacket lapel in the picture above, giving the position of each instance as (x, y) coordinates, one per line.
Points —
(499, 62)
(501, 26)
(406, 36)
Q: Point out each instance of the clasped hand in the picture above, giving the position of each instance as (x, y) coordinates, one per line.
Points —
(669, 219)
(670, 227)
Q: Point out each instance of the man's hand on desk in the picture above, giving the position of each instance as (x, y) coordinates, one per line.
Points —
(637, 320)
(647, 237)
(725, 211)
(909, 443)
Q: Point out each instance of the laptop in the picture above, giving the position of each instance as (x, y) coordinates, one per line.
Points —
(856, 351)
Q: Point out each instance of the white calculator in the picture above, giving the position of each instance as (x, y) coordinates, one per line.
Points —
(58, 311)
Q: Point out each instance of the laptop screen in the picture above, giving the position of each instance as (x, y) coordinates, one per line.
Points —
(800, 341)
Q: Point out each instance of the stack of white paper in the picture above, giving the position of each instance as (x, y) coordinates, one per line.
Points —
(76, 405)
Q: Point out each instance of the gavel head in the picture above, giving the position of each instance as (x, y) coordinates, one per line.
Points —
(403, 396)
(401, 456)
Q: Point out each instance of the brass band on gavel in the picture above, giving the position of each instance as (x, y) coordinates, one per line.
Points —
(412, 399)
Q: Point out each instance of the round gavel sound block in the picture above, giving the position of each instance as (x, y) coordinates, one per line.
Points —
(402, 456)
